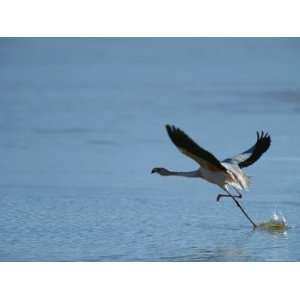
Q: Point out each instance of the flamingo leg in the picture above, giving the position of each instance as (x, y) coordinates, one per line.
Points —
(239, 206)
(225, 195)
(230, 196)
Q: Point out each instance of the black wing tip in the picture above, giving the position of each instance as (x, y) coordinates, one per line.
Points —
(171, 128)
(263, 138)
(173, 131)
(262, 133)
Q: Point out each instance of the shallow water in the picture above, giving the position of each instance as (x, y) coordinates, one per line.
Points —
(82, 125)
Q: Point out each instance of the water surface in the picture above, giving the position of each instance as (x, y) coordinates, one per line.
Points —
(82, 125)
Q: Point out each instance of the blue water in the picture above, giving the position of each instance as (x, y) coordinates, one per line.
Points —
(82, 125)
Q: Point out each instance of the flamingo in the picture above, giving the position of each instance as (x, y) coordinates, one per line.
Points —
(226, 174)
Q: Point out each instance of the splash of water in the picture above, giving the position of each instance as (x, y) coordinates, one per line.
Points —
(277, 223)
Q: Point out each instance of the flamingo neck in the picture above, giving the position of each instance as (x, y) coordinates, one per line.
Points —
(196, 173)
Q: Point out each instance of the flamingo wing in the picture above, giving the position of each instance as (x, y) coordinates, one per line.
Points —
(250, 156)
(191, 149)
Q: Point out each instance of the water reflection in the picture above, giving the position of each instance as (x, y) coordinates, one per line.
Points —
(240, 249)
(231, 250)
